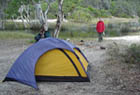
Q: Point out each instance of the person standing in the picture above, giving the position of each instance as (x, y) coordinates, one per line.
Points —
(100, 27)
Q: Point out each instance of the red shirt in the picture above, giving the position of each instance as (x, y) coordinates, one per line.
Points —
(100, 27)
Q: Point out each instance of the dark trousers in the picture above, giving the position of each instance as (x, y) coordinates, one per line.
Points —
(100, 37)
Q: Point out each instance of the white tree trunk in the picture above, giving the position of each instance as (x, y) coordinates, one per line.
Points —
(59, 19)
(27, 16)
(39, 14)
(46, 18)
(42, 17)
(21, 10)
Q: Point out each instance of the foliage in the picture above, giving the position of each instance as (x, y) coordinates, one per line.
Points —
(125, 28)
(133, 54)
(125, 54)
(70, 5)
(52, 14)
(13, 6)
(87, 8)
(81, 15)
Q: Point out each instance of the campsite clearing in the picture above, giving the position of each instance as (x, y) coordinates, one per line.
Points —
(106, 78)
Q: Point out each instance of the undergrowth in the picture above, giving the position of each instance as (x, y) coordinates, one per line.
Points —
(124, 54)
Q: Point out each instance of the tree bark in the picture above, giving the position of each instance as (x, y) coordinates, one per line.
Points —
(39, 14)
(3, 4)
(21, 10)
(43, 18)
(59, 19)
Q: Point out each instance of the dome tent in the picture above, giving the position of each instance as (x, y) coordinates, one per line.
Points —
(49, 59)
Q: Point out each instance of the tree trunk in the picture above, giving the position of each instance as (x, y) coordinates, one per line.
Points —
(21, 10)
(39, 14)
(27, 16)
(3, 4)
(42, 17)
(59, 19)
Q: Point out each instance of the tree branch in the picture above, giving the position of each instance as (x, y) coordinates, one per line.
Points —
(46, 12)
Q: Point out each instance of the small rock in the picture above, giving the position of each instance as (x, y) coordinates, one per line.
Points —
(81, 40)
(101, 47)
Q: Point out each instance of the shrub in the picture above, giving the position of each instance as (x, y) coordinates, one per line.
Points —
(133, 54)
(98, 12)
(125, 54)
(105, 13)
(125, 29)
(124, 15)
(81, 16)
(52, 16)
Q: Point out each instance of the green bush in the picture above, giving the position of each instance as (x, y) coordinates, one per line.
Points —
(125, 29)
(105, 13)
(133, 54)
(52, 16)
(120, 53)
(124, 15)
(99, 13)
(81, 16)
(96, 12)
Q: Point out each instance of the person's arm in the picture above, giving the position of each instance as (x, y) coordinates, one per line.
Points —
(103, 26)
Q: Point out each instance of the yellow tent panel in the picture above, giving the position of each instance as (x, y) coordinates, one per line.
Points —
(83, 60)
(54, 63)
(62, 63)
(77, 63)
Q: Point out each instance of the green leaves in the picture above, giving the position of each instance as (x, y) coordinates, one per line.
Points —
(93, 8)
(81, 15)
(134, 54)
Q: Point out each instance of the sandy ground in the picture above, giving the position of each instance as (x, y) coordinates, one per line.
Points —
(106, 78)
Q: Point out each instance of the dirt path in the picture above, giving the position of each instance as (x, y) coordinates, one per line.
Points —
(129, 39)
(106, 79)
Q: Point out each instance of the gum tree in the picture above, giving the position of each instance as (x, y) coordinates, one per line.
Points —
(59, 19)
(42, 16)
(24, 9)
